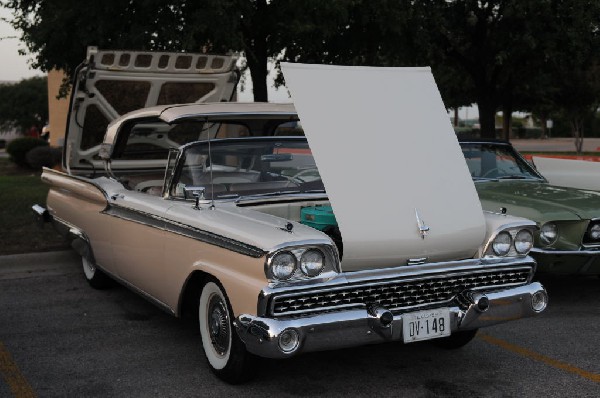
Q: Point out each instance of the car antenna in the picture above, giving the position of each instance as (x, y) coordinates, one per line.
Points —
(212, 187)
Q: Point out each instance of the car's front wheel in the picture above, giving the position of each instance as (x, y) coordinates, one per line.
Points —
(225, 352)
(96, 278)
(456, 339)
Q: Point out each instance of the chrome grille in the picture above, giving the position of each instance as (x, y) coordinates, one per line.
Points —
(397, 294)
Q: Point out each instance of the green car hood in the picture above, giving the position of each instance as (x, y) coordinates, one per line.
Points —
(538, 201)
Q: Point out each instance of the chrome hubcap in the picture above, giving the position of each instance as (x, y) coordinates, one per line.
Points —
(218, 324)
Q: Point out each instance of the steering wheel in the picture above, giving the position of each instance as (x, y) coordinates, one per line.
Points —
(490, 171)
(305, 172)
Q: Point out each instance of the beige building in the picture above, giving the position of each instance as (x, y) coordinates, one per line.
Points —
(58, 109)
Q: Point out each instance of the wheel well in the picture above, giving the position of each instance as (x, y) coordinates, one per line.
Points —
(188, 307)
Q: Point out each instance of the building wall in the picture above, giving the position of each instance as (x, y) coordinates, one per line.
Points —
(58, 109)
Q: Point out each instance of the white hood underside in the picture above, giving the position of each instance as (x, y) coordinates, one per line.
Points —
(385, 149)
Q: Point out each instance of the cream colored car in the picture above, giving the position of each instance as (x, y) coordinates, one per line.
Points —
(282, 244)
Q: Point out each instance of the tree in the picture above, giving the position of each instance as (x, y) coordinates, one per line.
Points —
(24, 104)
(58, 32)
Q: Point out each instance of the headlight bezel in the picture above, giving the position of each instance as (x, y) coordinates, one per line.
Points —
(329, 255)
(512, 230)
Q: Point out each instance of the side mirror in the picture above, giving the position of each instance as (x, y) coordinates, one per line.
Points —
(197, 193)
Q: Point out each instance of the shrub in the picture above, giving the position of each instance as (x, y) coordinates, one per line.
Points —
(18, 149)
(43, 156)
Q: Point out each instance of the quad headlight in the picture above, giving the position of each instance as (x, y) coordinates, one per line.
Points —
(523, 241)
(283, 265)
(548, 233)
(502, 244)
(511, 242)
(312, 262)
(300, 263)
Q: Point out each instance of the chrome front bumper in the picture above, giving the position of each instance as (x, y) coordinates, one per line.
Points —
(355, 327)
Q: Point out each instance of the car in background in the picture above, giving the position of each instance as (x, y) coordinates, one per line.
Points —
(568, 237)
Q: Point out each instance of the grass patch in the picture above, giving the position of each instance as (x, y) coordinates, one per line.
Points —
(19, 233)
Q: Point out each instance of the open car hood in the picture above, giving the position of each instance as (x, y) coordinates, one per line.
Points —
(391, 164)
(111, 83)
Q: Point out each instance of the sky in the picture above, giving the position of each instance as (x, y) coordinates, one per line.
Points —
(13, 67)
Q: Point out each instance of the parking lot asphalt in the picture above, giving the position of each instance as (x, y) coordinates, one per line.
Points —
(59, 337)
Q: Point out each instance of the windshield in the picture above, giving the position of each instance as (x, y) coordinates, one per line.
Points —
(494, 161)
(248, 167)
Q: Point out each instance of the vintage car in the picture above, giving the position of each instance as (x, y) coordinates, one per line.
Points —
(284, 237)
(568, 238)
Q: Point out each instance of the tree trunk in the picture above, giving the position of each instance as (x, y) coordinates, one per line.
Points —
(544, 126)
(259, 73)
(507, 121)
(456, 117)
(487, 119)
(577, 129)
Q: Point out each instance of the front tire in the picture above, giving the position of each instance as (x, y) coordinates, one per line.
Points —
(96, 278)
(225, 352)
(456, 340)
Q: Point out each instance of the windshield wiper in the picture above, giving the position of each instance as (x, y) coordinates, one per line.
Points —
(516, 177)
(267, 194)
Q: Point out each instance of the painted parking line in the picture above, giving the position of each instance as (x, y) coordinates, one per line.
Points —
(12, 375)
(539, 357)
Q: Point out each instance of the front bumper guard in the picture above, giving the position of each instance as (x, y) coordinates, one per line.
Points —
(350, 328)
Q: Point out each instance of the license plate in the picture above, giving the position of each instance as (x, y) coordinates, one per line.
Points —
(426, 325)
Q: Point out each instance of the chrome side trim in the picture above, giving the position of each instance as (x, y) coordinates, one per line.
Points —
(167, 225)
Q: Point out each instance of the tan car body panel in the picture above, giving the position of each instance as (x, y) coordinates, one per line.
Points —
(158, 265)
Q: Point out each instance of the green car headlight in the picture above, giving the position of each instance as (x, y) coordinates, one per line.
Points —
(595, 232)
(548, 233)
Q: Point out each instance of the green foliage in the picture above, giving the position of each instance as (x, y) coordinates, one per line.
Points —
(24, 104)
(18, 149)
(19, 232)
(43, 156)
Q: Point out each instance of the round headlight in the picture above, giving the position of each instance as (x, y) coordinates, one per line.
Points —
(523, 241)
(283, 265)
(548, 233)
(312, 262)
(595, 232)
(502, 243)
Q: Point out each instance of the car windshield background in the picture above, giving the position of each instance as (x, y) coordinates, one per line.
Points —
(492, 161)
(248, 167)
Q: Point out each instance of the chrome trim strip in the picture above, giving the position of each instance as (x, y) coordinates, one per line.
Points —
(167, 225)
(537, 250)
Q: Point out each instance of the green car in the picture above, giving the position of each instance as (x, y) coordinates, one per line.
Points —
(568, 237)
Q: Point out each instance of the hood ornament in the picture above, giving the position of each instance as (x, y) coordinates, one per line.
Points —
(423, 229)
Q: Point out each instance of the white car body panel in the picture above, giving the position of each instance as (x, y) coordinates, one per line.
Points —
(420, 166)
